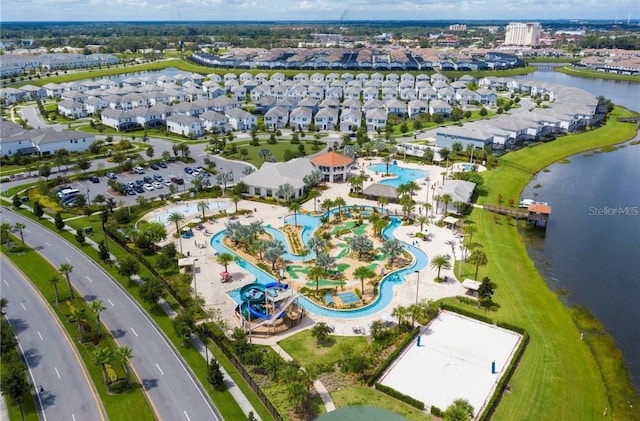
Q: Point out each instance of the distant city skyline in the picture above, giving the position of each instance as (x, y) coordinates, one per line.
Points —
(334, 10)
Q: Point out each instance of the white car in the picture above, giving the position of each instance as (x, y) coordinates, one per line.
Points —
(148, 187)
(138, 170)
(166, 182)
(156, 185)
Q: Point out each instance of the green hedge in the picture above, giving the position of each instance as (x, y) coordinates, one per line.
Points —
(509, 326)
(468, 313)
(437, 411)
(400, 396)
(376, 374)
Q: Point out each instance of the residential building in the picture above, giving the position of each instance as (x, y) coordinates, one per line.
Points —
(523, 34)
(185, 125)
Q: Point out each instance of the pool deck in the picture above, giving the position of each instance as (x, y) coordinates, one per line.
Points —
(214, 292)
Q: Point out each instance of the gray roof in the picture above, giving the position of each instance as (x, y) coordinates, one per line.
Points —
(459, 190)
(274, 174)
(381, 190)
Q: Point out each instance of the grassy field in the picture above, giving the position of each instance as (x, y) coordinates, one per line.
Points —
(117, 406)
(304, 349)
(361, 395)
(223, 400)
(592, 74)
(559, 376)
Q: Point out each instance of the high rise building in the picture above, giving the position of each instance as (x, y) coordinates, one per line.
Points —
(519, 33)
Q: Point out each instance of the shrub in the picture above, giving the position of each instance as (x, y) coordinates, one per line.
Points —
(400, 396)
(467, 313)
(436, 411)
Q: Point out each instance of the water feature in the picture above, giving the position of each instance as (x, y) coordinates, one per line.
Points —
(188, 209)
(386, 284)
(169, 71)
(402, 174)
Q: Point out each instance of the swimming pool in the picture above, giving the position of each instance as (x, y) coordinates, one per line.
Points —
(386, 284)
(402, 174)
(188, 209)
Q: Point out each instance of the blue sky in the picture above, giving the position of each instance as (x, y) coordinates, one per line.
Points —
(124, 10)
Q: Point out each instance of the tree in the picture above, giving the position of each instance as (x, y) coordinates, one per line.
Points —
(54, 281)
(470, 229)
(339, 203)
(38, 210)
(361, 244)
(66, 269)
(393, 249)
(149, 151)
(483, 112)
(58, 221)
(315, 273)
(422, 219)
(327, 204)
(321, 332)
(80, 237)
(478, 258)
(83, 163)
(20, 226)
(44, 171)
(313, 194)
(176, 218)
(102, 357)
(295, 208)
(224, 259)
(153, 232)
(103, 252)
(17, 203)
(273, 251)
(383, 201)
(401, 313)
(215, 376)
(96, 308)
(297, 394)
(151, 291)
(14, 383)
(128, 266)
(486, 289)
(446, 199)
(439, 262)
(123, 355)
(286, 191)
(203, 206)
(387, 161)
(362, 273)
(235, 198)
(459, 410)
(184, 324)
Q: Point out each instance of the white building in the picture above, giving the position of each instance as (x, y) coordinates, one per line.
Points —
(518, 33)
(185, 125)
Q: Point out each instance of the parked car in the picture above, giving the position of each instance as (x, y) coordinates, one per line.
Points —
(162, 164)
(166, 182)
(139, 189)
(130, 192)
(94, 179)
(148, 187)
(177, 180)
(157, 177)
(188, 170)
(111, 175)
(156, 185)
(139, 182)
(138, 170)
(148, 179)
(155, 167)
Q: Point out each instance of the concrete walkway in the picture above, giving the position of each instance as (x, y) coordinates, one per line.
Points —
(322, 391)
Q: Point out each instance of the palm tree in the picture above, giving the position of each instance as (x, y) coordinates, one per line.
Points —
(423, 220)
(327, 204)
(285, 191)
(295, 208)
(235, 198)
(401, 313)
(440, 261)
(4, 230)
(427, 208)
(203, 205)
(317, 244)
(78, 315)
(417, 311)
(123, 355)
(393, 249)
(54, 281)
(478, 258)
(446, 199)
(383, 201)
(379, 225)
(313, 195)
(102, 357)
(437, 198)
(339, 202)
(387, 160)
(66, 269)
(224, 259)
(459, 410)
(97, 307)
(176, 218)
(307, 376)
(20, 226)
(315, 273)
(470, 230)
(362, 273)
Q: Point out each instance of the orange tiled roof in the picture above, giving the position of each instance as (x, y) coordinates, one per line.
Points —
(331, 159)
(539, 208)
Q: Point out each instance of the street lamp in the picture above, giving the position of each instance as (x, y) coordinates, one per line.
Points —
(417, 285)
(195, 283)
(428, 179)
(88, 197)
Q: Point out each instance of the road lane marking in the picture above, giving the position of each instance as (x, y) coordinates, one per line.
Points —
(48, 245)
(40, 335)
(5, 282)
(23, 307)
(112, 305)
(134, 332)
(57, 372)
(186, 415)
(161, 372)
(67, 259)
(73, 417)
(89, 279)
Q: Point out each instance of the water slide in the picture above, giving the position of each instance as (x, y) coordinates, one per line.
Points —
(253, 298)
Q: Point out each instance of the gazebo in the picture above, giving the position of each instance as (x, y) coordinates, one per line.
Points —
(333, 166)
(377, 190)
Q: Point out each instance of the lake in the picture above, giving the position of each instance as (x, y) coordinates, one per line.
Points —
(592, 244)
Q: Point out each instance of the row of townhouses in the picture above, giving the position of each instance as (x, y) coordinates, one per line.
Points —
(15, 140)
(15, 64)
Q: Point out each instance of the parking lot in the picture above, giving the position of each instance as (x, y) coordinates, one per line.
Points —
(177, 169)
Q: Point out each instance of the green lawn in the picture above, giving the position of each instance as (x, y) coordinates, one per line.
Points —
(558, 375)
(593, 74)
(39, 271)
(361, 395)
(277, 150)
(304, 349)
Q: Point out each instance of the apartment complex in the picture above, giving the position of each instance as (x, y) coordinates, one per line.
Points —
(519, 33)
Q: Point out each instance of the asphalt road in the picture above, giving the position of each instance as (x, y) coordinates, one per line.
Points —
(172, 388)
(52, 359)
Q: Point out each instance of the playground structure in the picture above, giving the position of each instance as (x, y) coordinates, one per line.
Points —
(268, 308)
